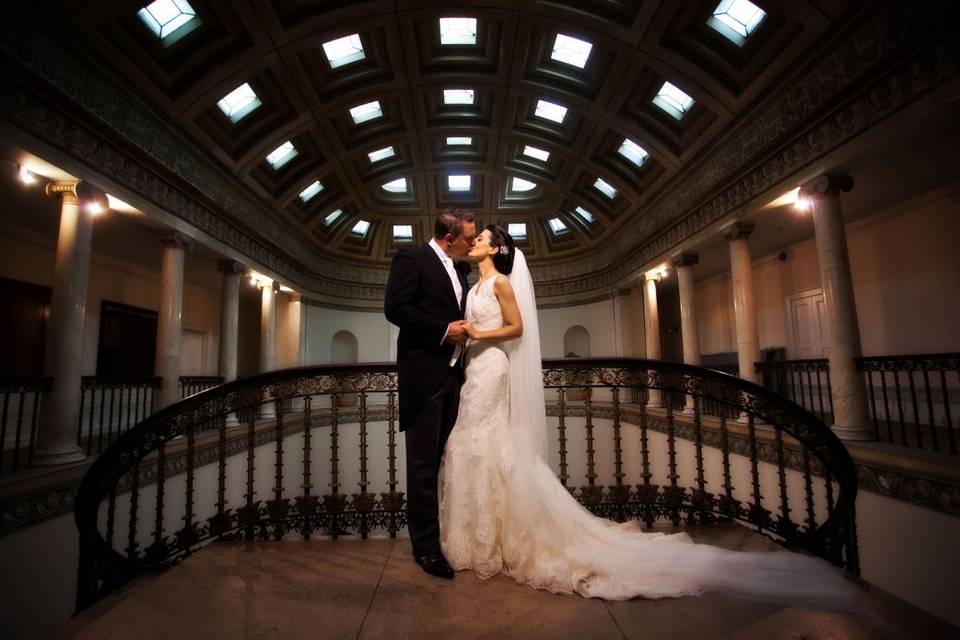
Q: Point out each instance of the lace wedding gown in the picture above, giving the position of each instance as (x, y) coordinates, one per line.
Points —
(503, 510)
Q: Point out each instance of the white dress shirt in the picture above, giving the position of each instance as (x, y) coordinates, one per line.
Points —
(457, 290)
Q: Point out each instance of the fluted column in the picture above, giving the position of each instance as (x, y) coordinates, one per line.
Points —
(57, 439)
(744, 310)
(651, 325)
(170, 320)
(688, 317)
(268, 336)
(851, 417)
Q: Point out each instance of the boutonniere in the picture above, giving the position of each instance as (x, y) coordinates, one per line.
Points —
(463, 267)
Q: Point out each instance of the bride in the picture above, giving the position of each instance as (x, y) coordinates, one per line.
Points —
(503, 510)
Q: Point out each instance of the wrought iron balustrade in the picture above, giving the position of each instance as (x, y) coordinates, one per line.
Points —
(184, 476)
(19, 419)
(190, 385)
(111, 405)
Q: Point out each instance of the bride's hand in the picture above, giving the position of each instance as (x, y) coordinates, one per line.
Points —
(471, 332)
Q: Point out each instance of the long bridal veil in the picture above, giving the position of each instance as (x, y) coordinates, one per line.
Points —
(552, 542)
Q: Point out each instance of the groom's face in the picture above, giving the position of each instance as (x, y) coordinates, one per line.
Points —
(460, 246)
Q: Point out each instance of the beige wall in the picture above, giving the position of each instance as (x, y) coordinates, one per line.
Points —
(370, 328)
(906, 277)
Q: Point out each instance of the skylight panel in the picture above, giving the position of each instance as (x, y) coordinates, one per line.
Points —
(584, 214)
(458, 96)
(403, 232)
(673, 100)
(381, 154)
(458, 183)
(332, 217)
(311, 191)
(344, 50)
(458, 31)
(538, 154)
(571, 50)
(396, 186)
(361, 228)
(521, 185)
(282, 155)
(164, 17)
(459, 141)
(557, 226)
(517, 230)
(632, 152)
(239, 102)
(364, 112)
(605, 188)
(736, 19)
(550, 111)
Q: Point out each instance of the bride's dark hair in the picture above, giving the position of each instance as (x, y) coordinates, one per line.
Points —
(503, 258)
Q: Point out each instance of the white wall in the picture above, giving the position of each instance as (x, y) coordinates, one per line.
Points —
(597, 318)
(370, 328)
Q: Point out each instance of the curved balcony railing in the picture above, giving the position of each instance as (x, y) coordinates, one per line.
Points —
(639, 431)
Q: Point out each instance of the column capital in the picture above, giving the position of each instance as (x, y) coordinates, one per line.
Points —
(66, 190)
(738, 231)
(295, 297)
(685, 260)
(651, 277)
(230, 267)
(827, 184)
(174, 239)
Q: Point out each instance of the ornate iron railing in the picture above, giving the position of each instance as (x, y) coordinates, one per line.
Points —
(190, 385)
(805, 382)
(111, 405)
(19, 417)
(126, 525)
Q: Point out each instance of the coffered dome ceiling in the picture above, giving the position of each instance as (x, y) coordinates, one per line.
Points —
(542, 114)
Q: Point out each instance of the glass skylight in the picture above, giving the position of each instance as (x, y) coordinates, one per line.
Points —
(736, 19)
(536, 153)
(605, 188)
(381, 154)
(403, 232)
(344, 50)
(550, 111)
(673, 100)
(311, 191)
(239, 102)
(583, 213)
(365, 112)
(396, 186)
(458, 183)
(332, 217)
(521, 185)
(282, 155)
(458, 31)
(361, 228)
(458, 96)
(557, 226)
(571, 50)
(632, 151)
(164, 17)
(459, 141)
(517, 230)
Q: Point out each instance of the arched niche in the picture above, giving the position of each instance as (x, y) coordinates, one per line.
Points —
(576, 342)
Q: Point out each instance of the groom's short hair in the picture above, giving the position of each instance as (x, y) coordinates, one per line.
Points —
(451, 221)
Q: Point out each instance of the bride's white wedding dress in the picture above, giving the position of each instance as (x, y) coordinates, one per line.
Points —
(503, 510)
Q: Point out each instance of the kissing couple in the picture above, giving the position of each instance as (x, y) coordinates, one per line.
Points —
(480, 494)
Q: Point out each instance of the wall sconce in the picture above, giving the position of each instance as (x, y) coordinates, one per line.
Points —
(26, 176)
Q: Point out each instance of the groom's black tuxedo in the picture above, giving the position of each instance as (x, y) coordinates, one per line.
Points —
(421, 301)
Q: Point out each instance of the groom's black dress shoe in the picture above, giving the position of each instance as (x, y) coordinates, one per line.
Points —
(435, 564)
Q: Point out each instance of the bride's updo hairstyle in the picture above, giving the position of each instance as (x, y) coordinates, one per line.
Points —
(503, 258)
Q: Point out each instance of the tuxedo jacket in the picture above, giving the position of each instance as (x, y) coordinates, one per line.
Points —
(421, 301)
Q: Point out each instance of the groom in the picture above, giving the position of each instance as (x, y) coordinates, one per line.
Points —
(426, 296)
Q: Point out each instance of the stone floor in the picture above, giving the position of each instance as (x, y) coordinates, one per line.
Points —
(373, 589)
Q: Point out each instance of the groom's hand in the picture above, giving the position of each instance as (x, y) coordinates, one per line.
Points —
(457, 332)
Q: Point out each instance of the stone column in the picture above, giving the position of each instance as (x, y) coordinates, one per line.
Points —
(651, 324)
(170, 320)
(57, 436)
(229, 322)
(268, 337)
(851, 419)
(688, 318)
(741, 275)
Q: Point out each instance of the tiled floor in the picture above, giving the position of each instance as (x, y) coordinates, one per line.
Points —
(373, 589)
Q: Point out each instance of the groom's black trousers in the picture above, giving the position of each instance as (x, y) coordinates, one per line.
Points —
(425, 441)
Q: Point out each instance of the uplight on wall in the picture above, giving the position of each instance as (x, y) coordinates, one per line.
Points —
(26, 176)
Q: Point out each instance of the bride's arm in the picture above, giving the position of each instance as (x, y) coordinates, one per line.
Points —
(512, 324)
